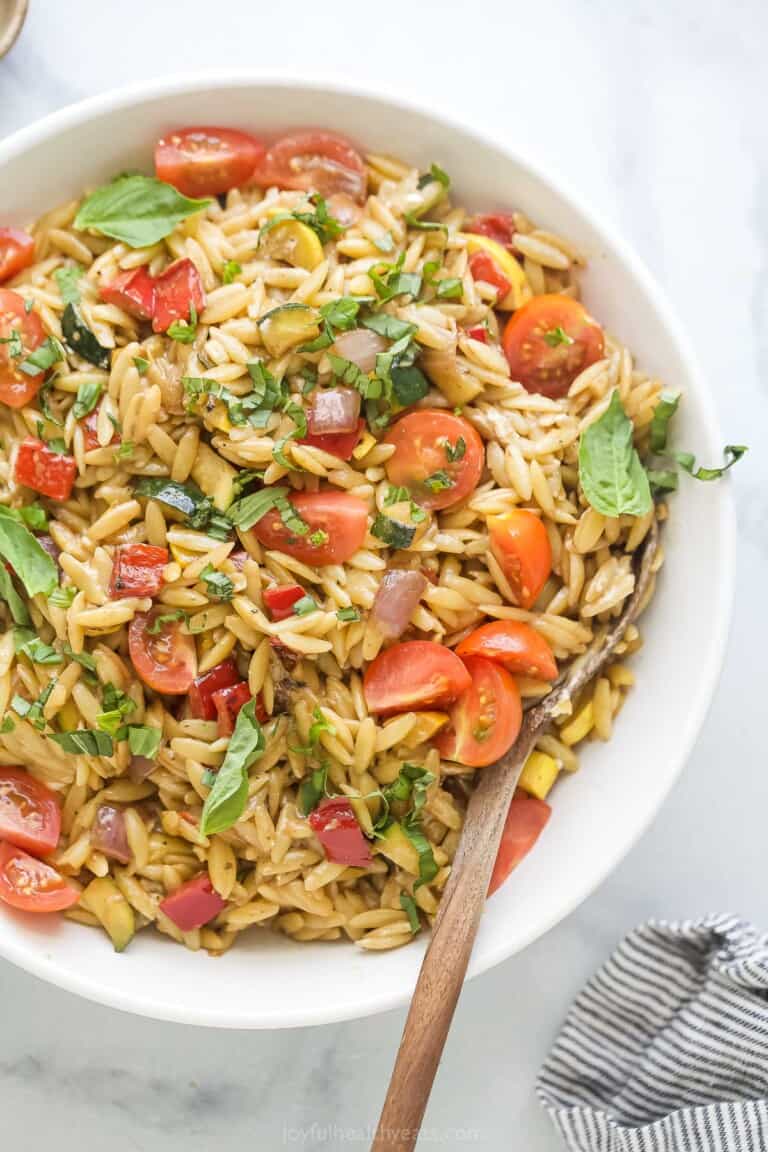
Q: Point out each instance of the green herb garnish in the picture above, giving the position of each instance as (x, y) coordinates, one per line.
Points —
(139, 210)
(227, 799)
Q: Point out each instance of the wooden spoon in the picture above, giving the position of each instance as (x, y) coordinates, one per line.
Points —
(445, 963)
(12, 15)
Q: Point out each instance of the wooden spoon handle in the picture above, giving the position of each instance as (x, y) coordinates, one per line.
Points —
(445, 963)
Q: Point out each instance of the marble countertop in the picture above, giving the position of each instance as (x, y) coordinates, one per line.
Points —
(655, 113)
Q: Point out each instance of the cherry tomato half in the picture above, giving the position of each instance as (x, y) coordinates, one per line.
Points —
(193, 904)
(16, 387)
(17, 251)
(201, 703)
(207, 161)
(438, 457)
(178, 291)
(336, 522)
(40, 468)
(486, 718)
(165, 660)
(414, 675)
(520, 543)
(315, 161)
(520, 648)
(30, 816)
(137, 570)
(526, 819)
(499, 226)
(31, 884)
(549, 341)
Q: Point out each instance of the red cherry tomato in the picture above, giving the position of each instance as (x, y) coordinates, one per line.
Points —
(479, 332)
(414, 675)
(315, 161)
(17, 251)
(165, 660)
(485, 720)
(178, 291)
(137, 570)
(30, 816)
(526, 819)
(45, 471)
(16, 387)
(499, 226)
(483, 267)
(438, 457)
(193, 904)
(336, 827)
(280, 601)
(32, 885)
(520, 543)
(549, 341)
(228, 702)
(337, 523)
(520, 648)
(201, 702)
(133, 291)
(207, 161)
(341, 444)
(90, 435)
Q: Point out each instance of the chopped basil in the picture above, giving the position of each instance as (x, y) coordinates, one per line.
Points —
(318, 537)
(411, 784)
(184, 331)
(198, 509)
(230, 271)
(393, 284)
(33, 516)
(423, 225)
(731, 452)
(395, 495)
(249, 510)
(217, 583)
(143, 740)
(83, 658)
(44, 357)
(8, 725)
(29, 560)
(117, 705)
(139, 210)
(389, 326)
(15, 346)
(408, 905)
(348, 373)
(10, 596)
(557, 336)
(26, 643)
(28, 305)
(439, 481)
(155, 627)
(141, 364)
(66, 279)
(454, 452)
(226, 801)
(304, 606)
(58, 445)
(85, 742)
(32, 711)
(81, 340)
(348, 615)
(312, 790)
(394, 534)
(62, 597)
(125, 451)
(612, 477)
(87, 398)
(662, 414)
(450, 288)
(427, 865)
(435, 173)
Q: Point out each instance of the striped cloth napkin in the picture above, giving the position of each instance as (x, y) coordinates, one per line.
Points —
(666, 1049)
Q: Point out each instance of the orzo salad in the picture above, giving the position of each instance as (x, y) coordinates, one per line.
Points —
(311, 480)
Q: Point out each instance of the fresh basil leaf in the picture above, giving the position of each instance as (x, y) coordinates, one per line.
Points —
(226, 801)
(348, 615)
(26, 643)
(81, 340)
(662, 414)
(401, 284)
(612, 478)
(230, 271)
(43, 357)
(394, 534)
(66, 279)
(29, 560)
(84, 742)
(11, 597)
(143, 740)
(141, 364)
(312, 790)
(304, 606)
(33, 516)
(408, 905)
(557, 336)
(732, 454)
(218, 584)
(409, 385)
(662, 480)
(139, 210)
(389, 326)
(87, 398)
(341, 314)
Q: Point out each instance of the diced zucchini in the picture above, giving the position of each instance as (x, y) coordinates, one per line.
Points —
(214, 476)
(451, 376)
(539, 774)
(287, 326)
(104, 899)
(395, 845)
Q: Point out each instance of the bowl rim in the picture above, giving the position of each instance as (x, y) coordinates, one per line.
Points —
(37, 960)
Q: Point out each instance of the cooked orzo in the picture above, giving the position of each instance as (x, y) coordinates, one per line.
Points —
(309, 482)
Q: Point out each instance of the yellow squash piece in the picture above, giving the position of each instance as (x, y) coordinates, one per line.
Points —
(363, 448)
(395, 845)
(295, 243)
(539, 774)
(104, 899)
(287, 326)
(427, 724)
(214, 476)
(451, 375)
(520, 291)
(68, 717)
(579, 725)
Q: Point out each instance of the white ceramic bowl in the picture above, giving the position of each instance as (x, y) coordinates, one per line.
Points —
(268, 981)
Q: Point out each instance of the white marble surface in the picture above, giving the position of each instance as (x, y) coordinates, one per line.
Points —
(655, 112)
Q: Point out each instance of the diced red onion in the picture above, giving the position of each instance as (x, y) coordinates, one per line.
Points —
(361, 346)
(396, 598)
(140, 767)
(334, 410)
(108, 834)
(344, 209)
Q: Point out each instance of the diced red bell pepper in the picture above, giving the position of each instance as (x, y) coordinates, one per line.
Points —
(133, 291)
(499, 226)
(193, 904)
(17, 251)
(177, 291)
(341, 444)
(484, 267)
(45, 471)
(90, 436)
(280, 600)
(480, 332)
(336, 827)
(229, 701)
(201, 703)
(137, 570)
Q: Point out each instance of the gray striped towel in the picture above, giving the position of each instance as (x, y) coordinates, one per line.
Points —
(666, 1049)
